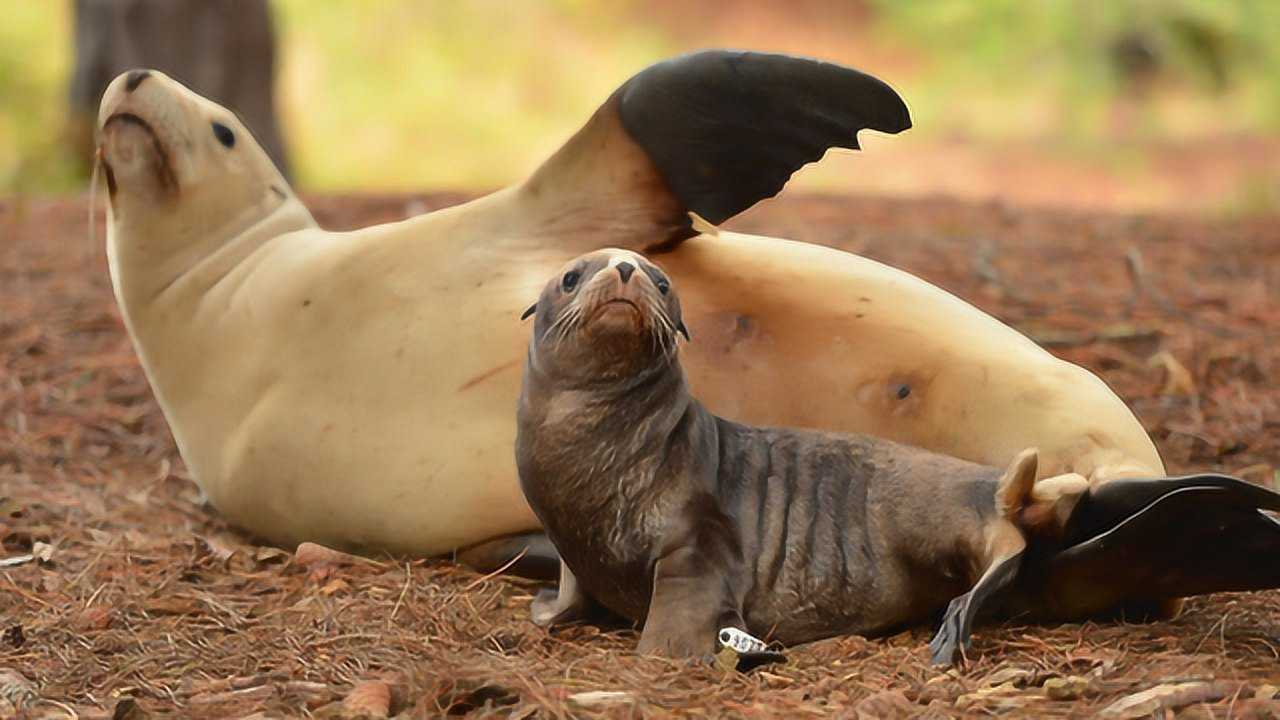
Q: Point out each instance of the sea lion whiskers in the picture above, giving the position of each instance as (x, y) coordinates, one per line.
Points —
(567, 321)
(655, 321)
(93, 196)
(663, 332)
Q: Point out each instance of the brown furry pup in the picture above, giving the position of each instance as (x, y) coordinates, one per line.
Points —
(688, 522)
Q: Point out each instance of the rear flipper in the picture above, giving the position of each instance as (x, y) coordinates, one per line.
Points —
(955, 634)
(1121, 544)
(1005, 548)
(1143, 540)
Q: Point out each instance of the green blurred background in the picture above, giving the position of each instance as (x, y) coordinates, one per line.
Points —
(1170, 105)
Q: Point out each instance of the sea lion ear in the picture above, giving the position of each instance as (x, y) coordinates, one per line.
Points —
(532, 309)
(680, 328)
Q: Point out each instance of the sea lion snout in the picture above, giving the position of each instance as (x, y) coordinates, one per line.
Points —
(140, 129)
(131, 147)
(624, 270)
(622, 304)
(614, 303)
(608, 309)
(165, 150)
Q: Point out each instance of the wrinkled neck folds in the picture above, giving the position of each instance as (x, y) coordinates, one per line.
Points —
(151, 253)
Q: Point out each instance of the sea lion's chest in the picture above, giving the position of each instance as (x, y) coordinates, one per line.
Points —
(601, 499)
(606, 528)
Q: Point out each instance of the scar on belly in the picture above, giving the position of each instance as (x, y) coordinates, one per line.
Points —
(486, 375)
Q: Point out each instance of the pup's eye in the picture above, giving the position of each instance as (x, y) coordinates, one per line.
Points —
(224, 134)
(571, 280)
(663, 285)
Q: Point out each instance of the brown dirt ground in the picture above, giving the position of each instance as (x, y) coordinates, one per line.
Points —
(149, 595)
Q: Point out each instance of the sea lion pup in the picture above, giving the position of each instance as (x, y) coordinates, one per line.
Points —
(327, 386)
(670, 515)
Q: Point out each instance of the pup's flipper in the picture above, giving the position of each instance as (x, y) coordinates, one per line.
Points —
(565, 604)
(711, 133)
(1005, 548)
(955, 633)
(528, 555)
(1173, 537)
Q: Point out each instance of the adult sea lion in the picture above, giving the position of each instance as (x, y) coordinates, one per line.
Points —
(330, 386)
(688, 522)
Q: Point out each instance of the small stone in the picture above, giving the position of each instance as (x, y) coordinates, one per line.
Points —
(309, 553)
(600, 698)
(1065, 688)
(1266, 692)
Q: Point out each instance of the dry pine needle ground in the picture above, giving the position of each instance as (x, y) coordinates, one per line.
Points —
(139, 601)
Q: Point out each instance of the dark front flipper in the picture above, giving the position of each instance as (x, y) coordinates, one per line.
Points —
(528, 555)
(954, 635)
(714, 133)
(727, 129)
(692, 599)
(1149, 539)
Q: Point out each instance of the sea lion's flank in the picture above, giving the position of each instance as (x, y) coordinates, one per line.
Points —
(327, 386)
(688, 522)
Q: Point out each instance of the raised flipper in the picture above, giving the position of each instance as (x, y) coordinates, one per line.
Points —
(711, 133)
(1172, 537)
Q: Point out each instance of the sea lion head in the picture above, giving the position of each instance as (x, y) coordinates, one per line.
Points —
(607, 314)
(179, 163)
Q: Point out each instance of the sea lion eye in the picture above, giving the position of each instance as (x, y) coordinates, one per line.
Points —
(224, 134)
(663, 285)
(571, 280)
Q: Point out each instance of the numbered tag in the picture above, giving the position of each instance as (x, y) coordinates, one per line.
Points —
(740, 642)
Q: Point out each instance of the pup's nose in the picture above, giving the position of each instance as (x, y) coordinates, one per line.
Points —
(135, 79)
(625, 269)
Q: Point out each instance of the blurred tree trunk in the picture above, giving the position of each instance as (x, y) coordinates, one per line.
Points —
(222, 49)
